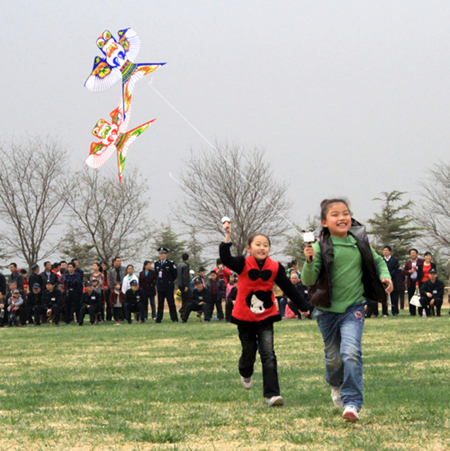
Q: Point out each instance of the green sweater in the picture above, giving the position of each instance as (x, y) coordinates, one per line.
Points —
(346, 273)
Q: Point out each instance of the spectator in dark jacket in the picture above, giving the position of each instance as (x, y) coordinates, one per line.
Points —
(34, 298)
(52, 301)
(17, 277)
(183, 282)
(217, 290)
(147, 282)
(91, 302)
(394, 268)
(432, 294)
(199, 301)
(74, 290)
(2, 284)
(116, 273)
(35, 278)
(134, 301)
(303, 292)
(3, 311)
(48, 274)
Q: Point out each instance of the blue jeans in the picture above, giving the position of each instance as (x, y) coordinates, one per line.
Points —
(342, 333)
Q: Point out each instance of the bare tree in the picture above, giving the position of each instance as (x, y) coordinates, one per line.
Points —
(30, 199)
(108, 216)
(434, 214)
(236, 182)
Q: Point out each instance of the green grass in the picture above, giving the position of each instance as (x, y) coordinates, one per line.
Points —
(176, 387)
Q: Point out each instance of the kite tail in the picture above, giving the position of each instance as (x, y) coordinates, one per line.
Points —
(123, 142)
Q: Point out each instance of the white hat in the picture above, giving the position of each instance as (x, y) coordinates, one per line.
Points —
(191, 271)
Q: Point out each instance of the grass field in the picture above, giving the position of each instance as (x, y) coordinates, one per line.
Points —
(176, 387)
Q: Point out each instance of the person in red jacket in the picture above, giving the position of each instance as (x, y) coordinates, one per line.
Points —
(255, 309)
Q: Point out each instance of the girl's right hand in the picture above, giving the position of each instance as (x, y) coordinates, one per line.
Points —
(309, 253)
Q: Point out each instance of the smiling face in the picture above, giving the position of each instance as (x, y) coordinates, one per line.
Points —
(427, 259)
(259, 248)
(338, 220)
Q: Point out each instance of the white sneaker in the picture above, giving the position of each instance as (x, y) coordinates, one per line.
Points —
(274, 401)
(336, 397)
(247, 382)
(350, 414)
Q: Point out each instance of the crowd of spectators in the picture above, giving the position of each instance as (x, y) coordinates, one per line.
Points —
(62, 292)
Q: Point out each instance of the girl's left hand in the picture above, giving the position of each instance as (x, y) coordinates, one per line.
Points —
(388, 282)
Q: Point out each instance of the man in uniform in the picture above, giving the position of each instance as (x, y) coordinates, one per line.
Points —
(166, 272)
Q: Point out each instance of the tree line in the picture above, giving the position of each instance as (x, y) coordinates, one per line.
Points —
(46, 208)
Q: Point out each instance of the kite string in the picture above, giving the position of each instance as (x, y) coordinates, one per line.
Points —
(228, 162)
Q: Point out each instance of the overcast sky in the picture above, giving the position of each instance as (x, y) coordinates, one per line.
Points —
(347, 97)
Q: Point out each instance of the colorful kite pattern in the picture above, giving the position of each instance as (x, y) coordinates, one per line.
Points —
(117, 65)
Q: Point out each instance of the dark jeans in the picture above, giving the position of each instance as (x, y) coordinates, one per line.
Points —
(136, 307)
(170, 301)
(39, 310)
(118, 313)
(411, 291)
(185, 297)
(372, 309)
(254, 337)
(150, 299)
(92, 309)
(195, 307)
(108, 307)
(215, 301)
(228, 310)
(394, 304)
(401, 297)
(72, 305)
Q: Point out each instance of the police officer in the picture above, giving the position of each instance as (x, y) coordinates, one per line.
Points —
(166, 272)
(51, 300)
(134, 301)
(74, 290)
(91, 302)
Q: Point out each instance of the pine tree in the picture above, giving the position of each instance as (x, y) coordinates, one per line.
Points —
(194, 248)
(393, 226)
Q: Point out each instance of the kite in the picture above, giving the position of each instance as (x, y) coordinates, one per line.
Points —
(118, 64)
(114, 138)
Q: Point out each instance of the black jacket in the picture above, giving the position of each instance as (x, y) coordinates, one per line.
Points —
(135, 297)
(394, 268)
(35, 278)
(436, 289)
(183, 278)
(201, 296)
(320, 292)
(91, 299)
(221, 288)
(51, 299)
(34, 299)
(2, 284)
(53, 277)
(168, 275)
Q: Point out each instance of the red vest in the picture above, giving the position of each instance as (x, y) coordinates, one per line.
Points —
(255, 298)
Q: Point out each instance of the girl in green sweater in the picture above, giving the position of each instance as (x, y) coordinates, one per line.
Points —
(344, 271)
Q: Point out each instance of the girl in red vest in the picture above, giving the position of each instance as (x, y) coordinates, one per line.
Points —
(255, 310)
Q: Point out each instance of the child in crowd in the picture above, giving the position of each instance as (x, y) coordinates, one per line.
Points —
(116, 300)
(255, 310)
(343, 272)
(231, 295)
(216, 289)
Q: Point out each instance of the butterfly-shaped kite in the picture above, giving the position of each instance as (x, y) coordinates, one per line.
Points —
(118, 64)
(114, 139)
